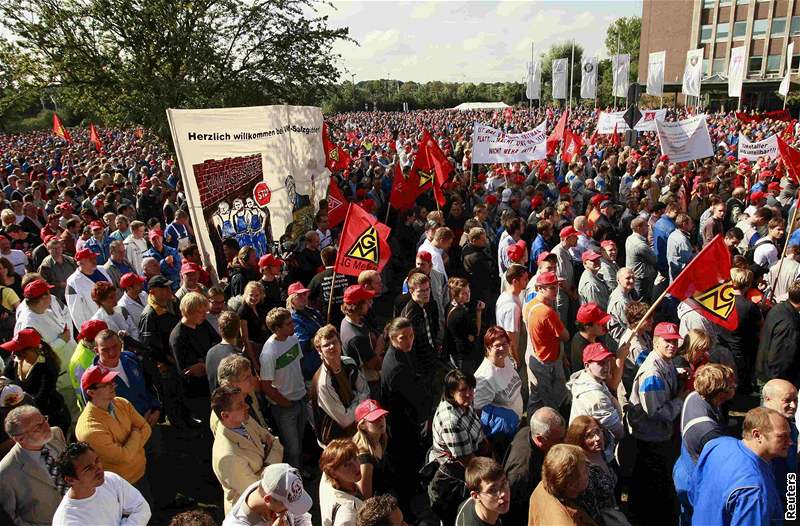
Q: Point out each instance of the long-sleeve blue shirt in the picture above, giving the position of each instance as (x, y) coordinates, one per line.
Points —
(661, 231)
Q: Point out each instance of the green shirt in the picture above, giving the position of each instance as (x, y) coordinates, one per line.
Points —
(82, 359)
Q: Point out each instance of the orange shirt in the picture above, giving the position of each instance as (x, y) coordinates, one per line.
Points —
(544, 327)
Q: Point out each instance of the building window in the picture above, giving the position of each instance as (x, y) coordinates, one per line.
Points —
(755, 64)
(742, 2)
(723, 3)
(795, 25)
(778, 26)
(760, 27)
(740, 29)
(723, 30)
(709, 3)
(718, 66)
(705, 67)
(773, 63)
(705, 33)
(795, 62)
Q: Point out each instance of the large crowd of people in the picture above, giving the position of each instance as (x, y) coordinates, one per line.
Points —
(504, 367)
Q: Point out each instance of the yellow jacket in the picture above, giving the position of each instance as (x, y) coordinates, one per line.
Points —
(118, 440)
(238, 461)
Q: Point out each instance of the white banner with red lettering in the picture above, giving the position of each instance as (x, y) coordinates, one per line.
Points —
(251, 174)
(490, 145)
(685, 140)
(648, 121)
(753, 151)
(609, 119)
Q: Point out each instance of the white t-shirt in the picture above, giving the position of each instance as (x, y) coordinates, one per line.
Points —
(498, 386)
(121, 372)
(18, 259)
(280, 362)
(765, 253)
(508, 312)
(115, 498)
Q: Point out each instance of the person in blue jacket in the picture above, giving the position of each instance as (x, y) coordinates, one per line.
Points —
(661, 231)
(130, 381)
(733, 483)
(168, 258)
(781, 395)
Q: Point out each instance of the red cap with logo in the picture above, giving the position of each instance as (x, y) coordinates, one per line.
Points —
(595, 352)
(188, 267)
(130, 279)
(36, 289)
(667, 331)
(85, 253)
(356, 293)
(269, 260)
(567, 231)
(24, 339)
(590, 255)
(97, 374)
(592, 313)
(546, 278)
(297, 288)
(91, 328)
(96, 224)
(515, 253)
(371, 410)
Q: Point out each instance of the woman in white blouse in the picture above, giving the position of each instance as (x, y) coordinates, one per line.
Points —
(497, 381)
(104, 293)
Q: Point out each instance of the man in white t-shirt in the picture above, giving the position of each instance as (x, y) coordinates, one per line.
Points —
(96, 496)
(766, 249)
(17, 258)
(508, 309)
(282, 382)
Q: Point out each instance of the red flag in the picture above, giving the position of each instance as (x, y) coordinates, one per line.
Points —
(336, 158)
(558, 133)
(572, 146)
(705, 283)
(593, 138)
(791, 159)
(404, 192)
(60, 130)
(337, 204)
(788, 132)
(431, 168)
(364, 243)
(94, 138)
(615, 137)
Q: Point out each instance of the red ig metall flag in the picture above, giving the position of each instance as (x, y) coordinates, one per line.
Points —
(364, 243)
(337, 204)
(60, 130)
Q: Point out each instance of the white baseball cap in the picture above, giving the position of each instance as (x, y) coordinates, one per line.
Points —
(284, 483)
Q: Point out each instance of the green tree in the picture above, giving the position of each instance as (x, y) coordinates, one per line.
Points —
(622, 37)
(129, 60)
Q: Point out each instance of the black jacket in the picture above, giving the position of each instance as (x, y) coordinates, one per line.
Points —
(523, 467)
(481, 272)
(154, 331)
(777, 350)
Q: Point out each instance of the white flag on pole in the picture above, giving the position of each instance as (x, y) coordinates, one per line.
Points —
(621, 65)
(783, 89)
(685, 140)
(534, 88)
(589, 78)
(655, 73)
(693, 72)
(736, 71)
(560, 67)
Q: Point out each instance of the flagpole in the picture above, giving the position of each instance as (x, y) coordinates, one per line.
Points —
(785, 246)
(613, 73)
(330, 294)
(530, 67)
(571, 67)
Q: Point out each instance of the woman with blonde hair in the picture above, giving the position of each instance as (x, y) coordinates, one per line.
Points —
(252, 313)
(694, 353)
(565, 475)
(372, 439)
(339, 495)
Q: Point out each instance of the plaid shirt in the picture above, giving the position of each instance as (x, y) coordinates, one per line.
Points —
(456, 432)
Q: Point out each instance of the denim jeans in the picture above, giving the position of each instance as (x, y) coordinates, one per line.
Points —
(291, 422)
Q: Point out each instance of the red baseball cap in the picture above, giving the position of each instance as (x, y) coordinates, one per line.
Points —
(546, 278)
(24, 339)
(189, 266)
(356, 293)
(595, 352)
(542, 257)
(156, 232)
(667, 331)
(36, 289)
(297, 288)
(91, 328)
(370, 410)
(590, 255)
(269, 260)
(774, 186)
(85, 253)
(515, 253)
(491, 199)
(424, 255)
(130, 279)
(607, 243)
(96, 224)
(755, 196)
(65, 207)
(97, 374)
(567, 231)
(592, 313)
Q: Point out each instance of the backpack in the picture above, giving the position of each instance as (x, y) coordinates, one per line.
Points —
(749, 256)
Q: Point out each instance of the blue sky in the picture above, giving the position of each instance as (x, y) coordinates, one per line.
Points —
(458, 41)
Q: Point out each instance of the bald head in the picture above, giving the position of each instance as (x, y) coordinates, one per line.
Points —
(580, 223)
(547, 428)
(781, 396)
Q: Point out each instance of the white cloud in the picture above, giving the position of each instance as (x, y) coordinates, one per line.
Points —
(423, 10)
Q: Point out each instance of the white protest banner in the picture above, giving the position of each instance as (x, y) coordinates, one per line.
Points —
(249, 173)
(655, 73)
(560, 67)
(621, 65)
(685, 140)
(490, 145)
(534, 88)
(752, 151)
(608, 120)
(648, 121)
(783, 89)
(736, 71)
(692, 73)
(589, 78)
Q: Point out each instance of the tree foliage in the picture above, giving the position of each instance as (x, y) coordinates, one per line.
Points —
(625, 32)
(126, 61)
